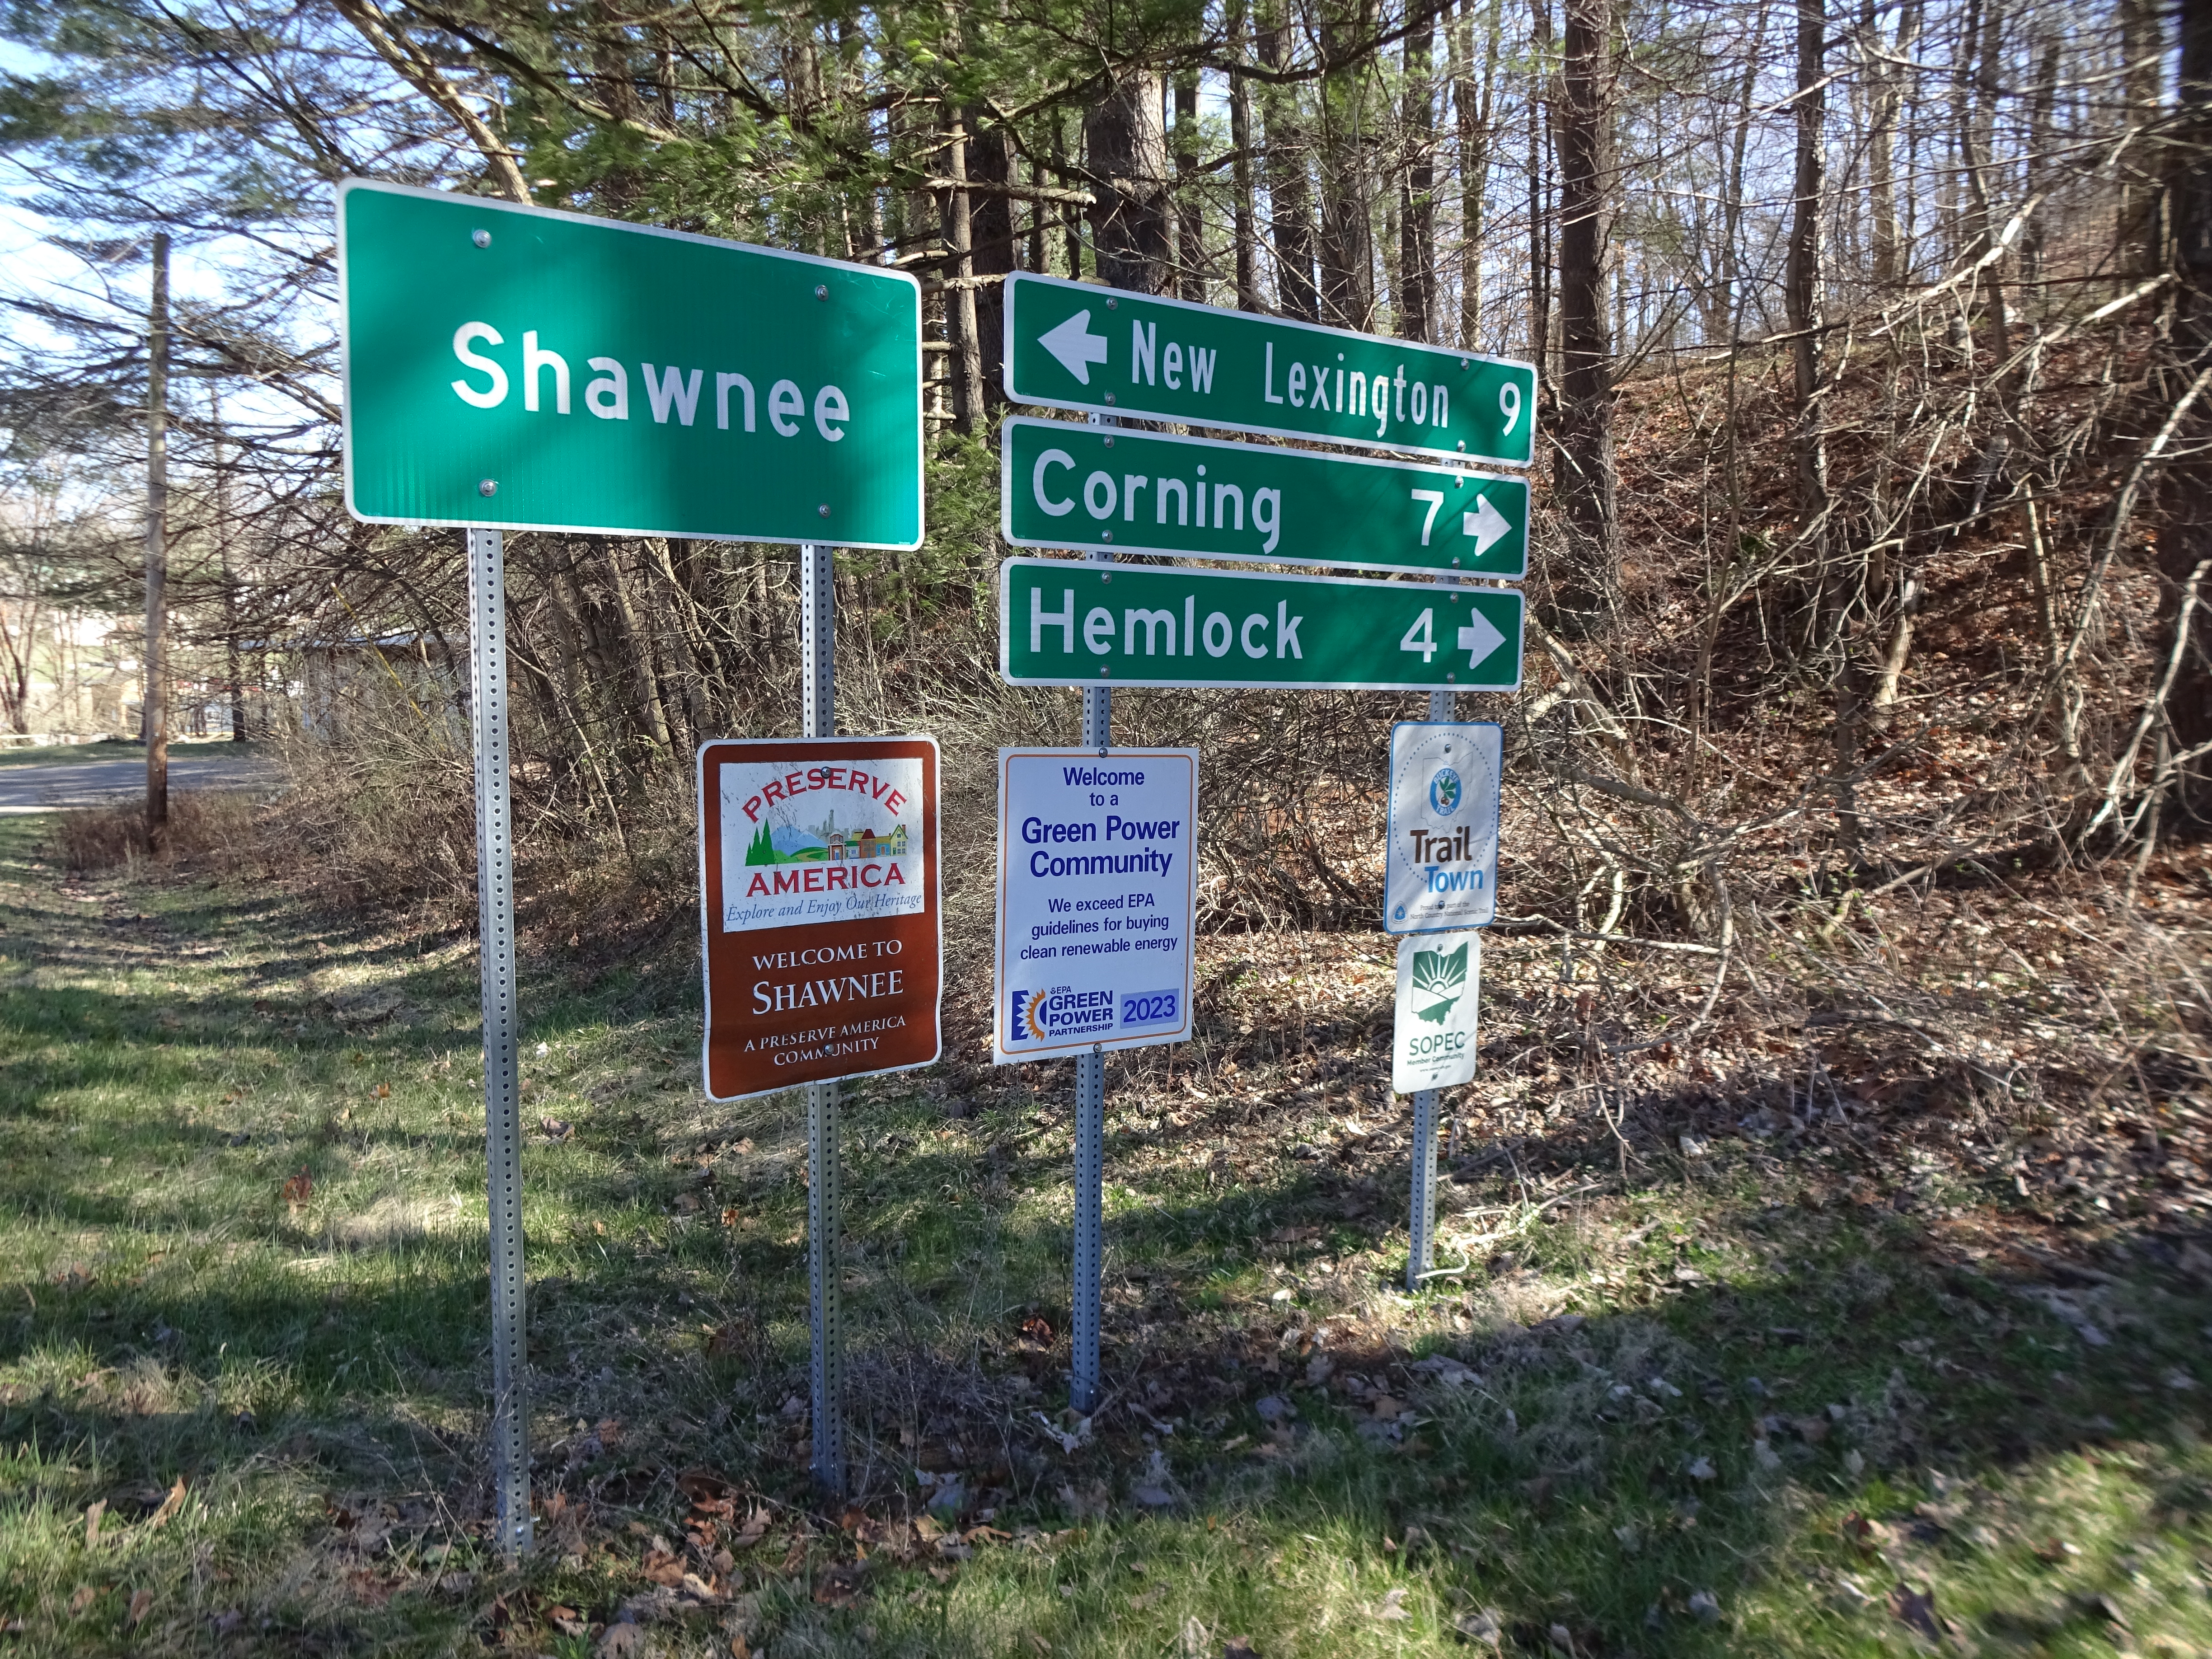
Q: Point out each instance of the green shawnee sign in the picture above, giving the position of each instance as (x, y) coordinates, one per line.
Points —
(1065, 485)
(1062, 622)
(512, 367)
(1073, 345)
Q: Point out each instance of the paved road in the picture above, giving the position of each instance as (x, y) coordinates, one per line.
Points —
(88, 783)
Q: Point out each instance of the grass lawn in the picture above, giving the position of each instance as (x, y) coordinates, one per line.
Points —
(1742, 1400)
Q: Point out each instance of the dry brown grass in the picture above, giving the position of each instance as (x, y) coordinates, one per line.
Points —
(213, 826)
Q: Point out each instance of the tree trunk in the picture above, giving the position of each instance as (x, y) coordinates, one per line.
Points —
(1189, 211)
(1540, 198)
(1243, 211)
(1586, 592)
(1128, 154)
(1471, 115)
(2136, 236)
(960, 302)
(991, 248)
(1346, 249)
(1417, 211)
(1289, 189)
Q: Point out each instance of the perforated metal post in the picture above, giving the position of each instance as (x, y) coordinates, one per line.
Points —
(503, 1037)
(818, 693)
(1089, 1265)
(1421, 1227)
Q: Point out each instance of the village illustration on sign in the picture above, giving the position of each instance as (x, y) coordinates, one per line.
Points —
(820, 843)
(826, 842)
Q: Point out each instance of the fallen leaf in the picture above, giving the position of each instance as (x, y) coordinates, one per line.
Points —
(140, 1600)
(1916, 1608)
(1238, 1647)
(92, 1515)
(384, 1091)
(1703, 1469)
(1385, 1408)
(1483, 1625)
(1152, 1497)
(1392, 1609)
(170, 1505)
(1149, 1598)
(82, 1599)
(1706, 1606)
(568, 1621)
(1273, 1408)
(299, 1188)
(686, 1203)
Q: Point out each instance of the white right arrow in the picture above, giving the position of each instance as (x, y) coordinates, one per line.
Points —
(1075, 345)
(1479, 639)
(1486, 524)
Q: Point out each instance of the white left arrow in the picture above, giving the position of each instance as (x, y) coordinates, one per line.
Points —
(1479, 639)
(1075, 345)
(1486, 524)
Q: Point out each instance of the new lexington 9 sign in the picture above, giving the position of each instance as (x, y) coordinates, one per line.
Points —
(513, 368)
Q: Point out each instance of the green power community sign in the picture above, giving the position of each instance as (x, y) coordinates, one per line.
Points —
(1087, 487)
(1074, 346)
(517, 369)
(1063, 623)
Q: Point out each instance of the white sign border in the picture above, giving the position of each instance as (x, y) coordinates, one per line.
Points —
(999, 1055)
(933, 877)
(1390, 832)
(490, 205)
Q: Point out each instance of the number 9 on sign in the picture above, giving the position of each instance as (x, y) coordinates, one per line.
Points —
(1508, 404)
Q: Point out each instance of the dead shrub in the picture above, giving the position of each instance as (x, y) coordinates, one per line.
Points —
(204, 826)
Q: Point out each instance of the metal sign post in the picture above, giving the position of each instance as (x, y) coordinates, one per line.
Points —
(1089, 1265)
(503, 1038)
(1422, 1225)
(817, 694)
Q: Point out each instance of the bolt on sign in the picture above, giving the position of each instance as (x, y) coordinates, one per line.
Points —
(1439, 985)
(1098, 885)
(1073, 345)
(1441, 870)
(517, 369)
(1065, 485)
(1061, 623)
(819, 881)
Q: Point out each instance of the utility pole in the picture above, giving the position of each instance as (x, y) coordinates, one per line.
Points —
(156, 710)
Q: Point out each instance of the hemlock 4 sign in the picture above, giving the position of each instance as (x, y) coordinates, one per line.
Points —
(817, 876)
(1064, 486)
(1073, 345)
(1061, 623)
(1097, 882)
(517, 369)
(1441, 871)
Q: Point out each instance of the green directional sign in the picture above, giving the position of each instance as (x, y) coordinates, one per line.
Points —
(515, 367)
(1064, 622)
(1065, 485)
(1073, 345)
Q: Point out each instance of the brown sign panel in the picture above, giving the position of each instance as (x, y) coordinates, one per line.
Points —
(819, 881)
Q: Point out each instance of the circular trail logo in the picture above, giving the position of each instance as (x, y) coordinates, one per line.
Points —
(1444, 792)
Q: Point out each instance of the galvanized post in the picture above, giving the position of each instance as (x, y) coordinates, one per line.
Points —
(1420, 1255)
(502, 1039)
(1090, 1143)
(1089, 1265)
(817, 614)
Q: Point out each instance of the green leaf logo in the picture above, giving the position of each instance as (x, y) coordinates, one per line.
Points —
(1439, 980)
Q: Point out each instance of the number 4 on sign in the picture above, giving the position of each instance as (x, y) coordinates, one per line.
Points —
(1422, 635)
(1477, 638)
